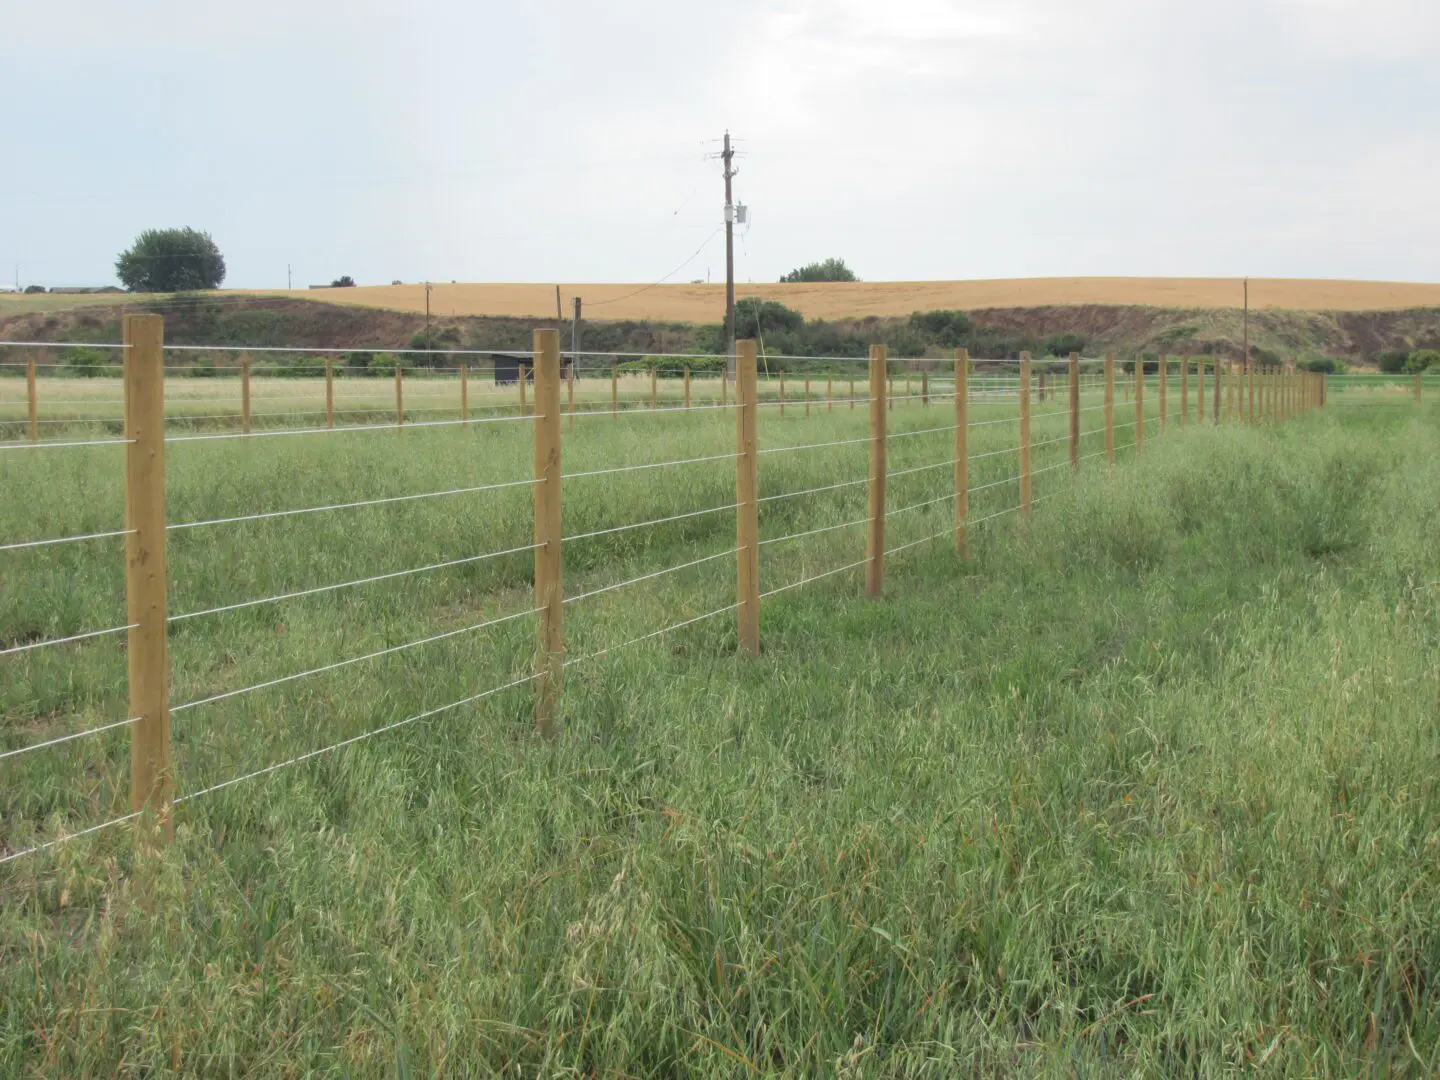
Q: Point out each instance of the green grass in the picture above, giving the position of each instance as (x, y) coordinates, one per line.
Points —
(1146, 788)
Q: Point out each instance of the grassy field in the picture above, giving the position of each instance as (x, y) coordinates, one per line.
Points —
(1148, 787)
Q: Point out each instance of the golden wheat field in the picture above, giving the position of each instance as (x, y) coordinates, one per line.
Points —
(705, 303)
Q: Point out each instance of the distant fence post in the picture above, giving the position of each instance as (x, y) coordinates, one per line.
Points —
(1074, 410)
(1250, 395)
(747, 512)
(1215, 403)
(330, 392)
(1184, 391)
(1200, 388)
(1025, 433)
(875, 534)
(852, 395)
(962, 446)
(399, 393)
(615, 390)
(925, 388)
(549, 599)
(245, 394)
(1164, 394)
(890, 391)
(465, 393)
(152, 783)
(725, 384)
(687, 387)
(830, 391)
(570, 392)
(1110, 407)
(782, 392)
(807, 397)
(1139, 403)
(32, 397)
(654, 387)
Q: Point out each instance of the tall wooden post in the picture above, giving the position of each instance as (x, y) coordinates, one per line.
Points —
(147, 654)
(1074, 410)
(852, 395)
(465, 393)
(549, 599)
(890, 392)
(875, 537)
(1200, 387)
(1215, 403)
(1025, 433)
(1139, 403)
(962, 446)
(782, 392)
(1250, 397)
(1164, 393)
(615, 390)
(399, 393)
(830, 392)
(245, 394)
(807, 397)
(925, 388)
(570, 392)
(654, 387)
(330, 392)
(1110, 407)
(32, 398)
(724, 386)
(687, 386)
(747, 514)
(1184, 391)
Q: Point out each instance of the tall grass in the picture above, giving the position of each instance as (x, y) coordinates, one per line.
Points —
(1145, 787)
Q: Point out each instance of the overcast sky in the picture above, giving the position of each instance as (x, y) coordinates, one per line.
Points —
(567, 140)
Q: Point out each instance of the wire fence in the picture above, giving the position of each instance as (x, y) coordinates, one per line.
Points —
(982, 406)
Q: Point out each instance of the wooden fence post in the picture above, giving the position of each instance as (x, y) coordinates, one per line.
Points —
(1164, 394)
(962, 446)
(32, 398)
(399, 393)
(830, 392)
(549, 596)
(1074, 410)
(245, 394)
(570, 392)
(807, 397)
(524, 378)
(875, 538)
(747, 513)
(615, 390)
(1110, 407)
(890, 391)
(1139, 403)
(330, 392)
(152, 784)
(1184, 391)
(1025, 433)
(925, 388)
(852, 395)
(654, 387)
(782, 392)
(465, 393)
(1200, 387)
(687, 387)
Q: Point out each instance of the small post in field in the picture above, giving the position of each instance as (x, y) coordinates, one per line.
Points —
(524, 378)
(570, 393)
(890, 391)
(1184, 391)
(962, 446)
(654, 387)
(330, 392)
(1075, 410)
(465, 393)
(549, 600)
(147, 651)
(852, 395)
(909, 394)
(925, 388)
(1215, 404)
(807, 397)
(1164, 392)
(1110, 407)
(830, 392)
(1139, 403)
(245, 394)
(1250, 396)
(32, 397)
(875, 534)
(782, 392)
(1025, 433)
(399, 393)
(747, 514)
(615, 390)
(724, 385)
(687, 387)
(1200, 387)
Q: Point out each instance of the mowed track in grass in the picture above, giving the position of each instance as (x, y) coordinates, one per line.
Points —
(1149, 786)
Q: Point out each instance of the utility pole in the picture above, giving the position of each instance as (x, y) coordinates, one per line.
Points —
(289, 279)
(427, 317)
(575, 342)
(558, 313)
(728, 156)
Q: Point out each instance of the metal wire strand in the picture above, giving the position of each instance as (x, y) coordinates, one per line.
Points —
(650, 576)
(341, 430)
(351, 505)
(812, 446)
(65, 640)
(67, 838)
(813, 491)
(352, 741)
(67, 738)
(654, 521)
(652, 465)
(24, 544)
(350, 584)
(816, 577)
(653, 634)
(58, 445)
(814, 532)
(353, 660)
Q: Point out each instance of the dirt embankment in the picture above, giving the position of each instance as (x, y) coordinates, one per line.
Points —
(234, 322)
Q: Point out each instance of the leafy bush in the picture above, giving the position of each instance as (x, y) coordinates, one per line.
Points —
(1422, 360)
(1065, 344)
(87, 363)
(31, 290)
(828, 270)
(948, 328)
(345, 282)
(383, 364)
(1324, 365)
(1392, 361)
(171, 260)
(765, 317)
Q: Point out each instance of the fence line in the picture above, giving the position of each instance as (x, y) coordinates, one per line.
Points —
(1276, 397)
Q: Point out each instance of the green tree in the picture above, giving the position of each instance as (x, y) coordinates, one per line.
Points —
(829, 270)
(1422, 360)
(171, 260)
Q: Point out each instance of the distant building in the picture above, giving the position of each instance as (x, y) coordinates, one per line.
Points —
(509, 365)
